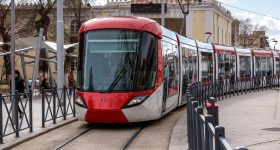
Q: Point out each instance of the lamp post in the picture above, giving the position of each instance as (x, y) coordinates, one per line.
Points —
(185, 11)
(251, 42)
(209, 34)
(275, 41)
(90, 5)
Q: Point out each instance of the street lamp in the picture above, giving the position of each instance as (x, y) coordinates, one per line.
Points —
(185, 12)
(209, 34)
(251, 41)
(275, 41)
(90, 5)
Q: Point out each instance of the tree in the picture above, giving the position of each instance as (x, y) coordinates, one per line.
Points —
(4, 34)
(250, 35)
(74, 7)
(43, 20)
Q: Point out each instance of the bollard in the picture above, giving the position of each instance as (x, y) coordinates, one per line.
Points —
(219, 132)
(199, 128)
(213, 109)
(208, 119)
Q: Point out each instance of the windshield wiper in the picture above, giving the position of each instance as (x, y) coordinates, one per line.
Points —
(116, 81)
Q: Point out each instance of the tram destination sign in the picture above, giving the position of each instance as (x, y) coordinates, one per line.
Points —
(147, 8)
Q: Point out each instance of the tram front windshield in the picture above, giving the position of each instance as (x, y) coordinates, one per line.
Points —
(117, 60)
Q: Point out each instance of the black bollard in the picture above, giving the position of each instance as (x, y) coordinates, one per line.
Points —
(213, 109)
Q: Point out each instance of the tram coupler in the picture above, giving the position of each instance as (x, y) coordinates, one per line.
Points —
(213, 109)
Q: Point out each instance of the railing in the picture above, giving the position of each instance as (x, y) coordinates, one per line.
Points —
(16, 112)
(11, 122)
(57, 103)
(204, 131)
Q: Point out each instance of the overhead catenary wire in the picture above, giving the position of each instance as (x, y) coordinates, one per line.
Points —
(253, 12)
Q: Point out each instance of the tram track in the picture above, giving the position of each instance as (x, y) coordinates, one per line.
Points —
(63, 144)
(134, 136)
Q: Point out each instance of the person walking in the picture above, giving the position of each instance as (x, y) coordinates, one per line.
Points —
(71, 82)
(19, 86)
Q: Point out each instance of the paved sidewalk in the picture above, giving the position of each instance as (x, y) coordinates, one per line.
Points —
(252, 120)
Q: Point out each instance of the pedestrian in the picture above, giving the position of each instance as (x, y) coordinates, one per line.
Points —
(45, 84)
(71, 82)
(19, 86)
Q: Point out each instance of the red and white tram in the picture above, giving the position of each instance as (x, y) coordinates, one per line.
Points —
(128, 70)
(131, 69)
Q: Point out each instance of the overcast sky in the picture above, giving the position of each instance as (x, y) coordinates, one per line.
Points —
(267, 7)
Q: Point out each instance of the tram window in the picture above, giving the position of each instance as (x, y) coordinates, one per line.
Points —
(189, 65)
(206, 66)
(171, 66)
(226, 66)
(263, 66)
(245, 66)
(277, 64)
(129, 65)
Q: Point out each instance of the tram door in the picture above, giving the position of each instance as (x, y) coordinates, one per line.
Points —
(170, 73)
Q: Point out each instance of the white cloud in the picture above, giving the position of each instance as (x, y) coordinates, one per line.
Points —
(273, 29)
(244, 15)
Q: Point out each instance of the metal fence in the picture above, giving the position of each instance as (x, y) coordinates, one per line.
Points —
(57, 103)
(15, 113)
(204, 131)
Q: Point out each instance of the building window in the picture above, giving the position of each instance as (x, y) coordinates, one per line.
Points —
(74, 27)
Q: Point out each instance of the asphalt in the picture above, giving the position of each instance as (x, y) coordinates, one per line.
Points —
(251, 120)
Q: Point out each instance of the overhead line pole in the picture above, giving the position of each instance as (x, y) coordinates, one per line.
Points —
(12, 57)
(60, 43)
(162, 13)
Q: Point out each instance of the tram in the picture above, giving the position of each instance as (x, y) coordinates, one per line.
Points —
(131, 69)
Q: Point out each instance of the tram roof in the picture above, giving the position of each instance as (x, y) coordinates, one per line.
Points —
(205, 47)
(168, 33)
(241, 51)
(276, 53)
(261, 53)
(123, 22)
(185, 41)
(222, 49)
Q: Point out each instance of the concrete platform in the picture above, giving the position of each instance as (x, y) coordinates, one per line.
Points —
(252, 120)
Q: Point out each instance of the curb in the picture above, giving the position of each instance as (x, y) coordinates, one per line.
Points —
(33, 135)
(175, 142)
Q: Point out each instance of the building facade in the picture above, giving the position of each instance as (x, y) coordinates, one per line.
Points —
(210, 17)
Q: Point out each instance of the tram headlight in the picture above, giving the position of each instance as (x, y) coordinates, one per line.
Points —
(136, 101)
(80, 102)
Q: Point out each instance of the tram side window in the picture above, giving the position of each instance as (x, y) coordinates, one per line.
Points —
(226, 66)
(189, 65)
(206, 66)
(277, 65)
(245, 66)
(171, 66)
(263, 66)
